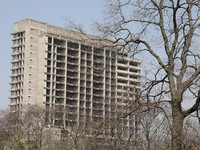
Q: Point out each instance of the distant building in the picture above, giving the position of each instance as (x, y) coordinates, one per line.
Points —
(84, 75)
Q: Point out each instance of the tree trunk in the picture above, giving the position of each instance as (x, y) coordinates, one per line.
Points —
(148, 141)
(177, 127)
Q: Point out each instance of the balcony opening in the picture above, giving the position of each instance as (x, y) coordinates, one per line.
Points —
(72, 52)
(72, 88)
(122, 61)
(133, 63)
(71, 95)
(59, 86)
(73, 45)
(49, 40)
(60, 50)
(61, 72)
(60, 65)
(60, 79)
(59, 100)
(72, 74)
(133, 77)
(122, 81)
(86, 48)
(72, 60)
(99, 51)
(72, 81)
(59, 42)
(133, 70)
(122, 75)
(72, 67)
(71, 102)
(98, 58)
(48, 84)
(122, 68)
(61, 58)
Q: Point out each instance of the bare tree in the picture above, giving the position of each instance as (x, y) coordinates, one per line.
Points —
(167, 32)
(27, 128)
(4, 131)
(10, 126)
(191, 132)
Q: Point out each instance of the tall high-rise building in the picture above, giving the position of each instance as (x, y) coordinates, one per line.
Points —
(82, 74)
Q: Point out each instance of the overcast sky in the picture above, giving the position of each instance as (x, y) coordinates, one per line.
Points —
(50, 11)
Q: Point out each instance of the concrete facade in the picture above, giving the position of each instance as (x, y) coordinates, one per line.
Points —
(54, 67)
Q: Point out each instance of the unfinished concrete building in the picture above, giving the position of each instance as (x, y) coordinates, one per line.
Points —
(54, 67)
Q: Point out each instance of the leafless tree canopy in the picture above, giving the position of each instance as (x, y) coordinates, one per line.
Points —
(166, 32)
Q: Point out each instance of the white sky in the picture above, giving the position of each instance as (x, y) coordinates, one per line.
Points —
(49, 11)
